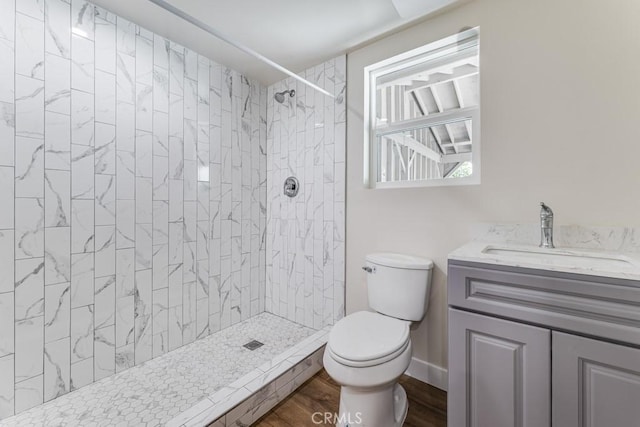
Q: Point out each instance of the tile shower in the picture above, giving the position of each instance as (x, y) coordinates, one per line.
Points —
(140, 205)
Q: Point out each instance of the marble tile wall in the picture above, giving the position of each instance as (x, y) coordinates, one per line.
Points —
(132, 197)
(306, 234)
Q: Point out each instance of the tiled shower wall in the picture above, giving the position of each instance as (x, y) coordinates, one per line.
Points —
(306, 234)
(132, 197)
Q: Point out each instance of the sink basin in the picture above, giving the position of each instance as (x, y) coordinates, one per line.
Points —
(563, 257)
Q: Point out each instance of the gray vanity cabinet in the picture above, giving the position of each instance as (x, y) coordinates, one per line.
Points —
(518, 355)
(595, 383)
(498, 372)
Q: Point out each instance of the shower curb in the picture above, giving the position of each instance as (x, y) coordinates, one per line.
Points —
(247, 399)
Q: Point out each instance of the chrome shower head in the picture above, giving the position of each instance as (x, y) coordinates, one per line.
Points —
(279, 96)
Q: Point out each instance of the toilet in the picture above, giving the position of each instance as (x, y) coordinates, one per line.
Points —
(367, 352)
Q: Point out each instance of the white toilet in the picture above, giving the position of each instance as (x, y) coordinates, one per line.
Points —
(367, 352)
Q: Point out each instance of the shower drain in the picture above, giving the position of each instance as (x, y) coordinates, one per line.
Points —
(252, 345)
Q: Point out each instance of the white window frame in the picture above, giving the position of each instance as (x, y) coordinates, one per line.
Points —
(404, 63)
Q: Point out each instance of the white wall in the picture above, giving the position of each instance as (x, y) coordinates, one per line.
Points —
(560, 105)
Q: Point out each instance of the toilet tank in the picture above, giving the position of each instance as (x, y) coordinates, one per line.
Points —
(398, 285)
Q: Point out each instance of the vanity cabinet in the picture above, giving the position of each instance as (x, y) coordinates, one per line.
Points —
(594, 383)
(534, 348)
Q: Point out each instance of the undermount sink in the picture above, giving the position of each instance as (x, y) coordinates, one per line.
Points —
(569, 257)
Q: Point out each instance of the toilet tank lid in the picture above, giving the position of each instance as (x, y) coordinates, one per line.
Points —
(389, 259)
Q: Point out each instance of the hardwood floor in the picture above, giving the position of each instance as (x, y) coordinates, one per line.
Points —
(427, 404)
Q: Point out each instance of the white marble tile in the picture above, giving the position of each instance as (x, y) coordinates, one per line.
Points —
(125, 224)
(29, 46)
(125, 309)
(29, 107)
(176, 200)
(125, 78)
(57, 95)
(125, 357)
(105, 264)
(144, 60)
(174, 333)
(144, 246)
(7, 19)
(105, 353)
(29, 393)
(160, 89)
(57, 142)
(7, 133)
(82, 172)
(7, 344)
(29, 228)
(125, 272)
(7, 197)
(57, 19)
(105, 90)
(105, 39)
(176, 70)
(57, 369)
(57, 200)
(82, 64)
(144, 107)
(105, 210)
(143, 320)
(29, 348)
(161, 49)
(82, 118)
(7, 391)
(29, 167)
(81, 373)
(105, 150)
(144, 200)
(160, 134)
(82, 223)
(160, 266)
(82, 18)
(105, 301)
(82, 335)
(125, 175)
(160, 311)
(57, 255)
(144, 154)
(57, 312)
(125, 126)
(126, 36)
(82, 280)
(160, 178)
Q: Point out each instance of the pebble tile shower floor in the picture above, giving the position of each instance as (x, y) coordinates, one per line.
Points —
(154, 392)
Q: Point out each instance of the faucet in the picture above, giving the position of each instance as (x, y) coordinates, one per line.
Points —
(546, 226)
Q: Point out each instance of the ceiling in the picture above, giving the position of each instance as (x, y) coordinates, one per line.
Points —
(297, 34)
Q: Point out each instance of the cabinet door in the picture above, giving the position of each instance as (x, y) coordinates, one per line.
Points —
(499, 372)
(594, 383)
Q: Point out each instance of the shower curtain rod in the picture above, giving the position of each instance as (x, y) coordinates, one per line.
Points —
(174, 10)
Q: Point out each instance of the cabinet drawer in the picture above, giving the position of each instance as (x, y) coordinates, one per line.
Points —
(590, 305)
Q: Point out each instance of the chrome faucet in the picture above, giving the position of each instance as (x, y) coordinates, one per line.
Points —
(546, 226)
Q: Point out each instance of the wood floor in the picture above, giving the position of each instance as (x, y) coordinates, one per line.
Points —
(427, 404)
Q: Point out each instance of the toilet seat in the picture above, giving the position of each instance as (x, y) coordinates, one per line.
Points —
(365, 339)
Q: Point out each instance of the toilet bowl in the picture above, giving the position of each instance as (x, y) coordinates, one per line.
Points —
(367, 352)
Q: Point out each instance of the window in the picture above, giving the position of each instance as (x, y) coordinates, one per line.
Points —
(422, 116)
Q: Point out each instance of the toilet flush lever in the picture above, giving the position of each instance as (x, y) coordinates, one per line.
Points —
(369, 269)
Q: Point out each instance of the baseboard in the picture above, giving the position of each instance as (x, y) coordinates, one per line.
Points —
(428, 373)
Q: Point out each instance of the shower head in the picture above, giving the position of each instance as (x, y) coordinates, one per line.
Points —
(279, 96)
